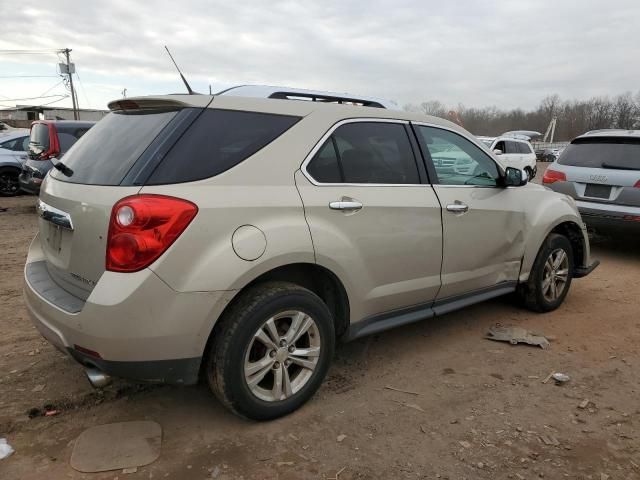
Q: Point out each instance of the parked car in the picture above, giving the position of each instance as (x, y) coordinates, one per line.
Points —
(513, 151)
(13, 154)
(548, 154)
(49, 141)
(240, 238)
(601, 171)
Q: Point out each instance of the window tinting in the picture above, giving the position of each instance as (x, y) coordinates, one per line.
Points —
(104, 155)
(615, 153)
(324, 167)
(372, 152)
(457, 161)
(218, 141)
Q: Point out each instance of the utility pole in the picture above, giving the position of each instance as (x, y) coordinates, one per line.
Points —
(70, 71)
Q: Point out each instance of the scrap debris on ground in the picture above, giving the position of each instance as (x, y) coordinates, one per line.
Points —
(515, 335)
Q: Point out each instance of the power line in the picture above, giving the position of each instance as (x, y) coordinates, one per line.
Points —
(47, 91)
(41, 105)
(28, 76)
(32, 98)
(28, 52)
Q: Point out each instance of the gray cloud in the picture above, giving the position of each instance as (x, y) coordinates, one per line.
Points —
(502, 53)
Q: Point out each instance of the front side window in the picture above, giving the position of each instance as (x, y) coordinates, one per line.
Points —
(456, 160)
(366, 152)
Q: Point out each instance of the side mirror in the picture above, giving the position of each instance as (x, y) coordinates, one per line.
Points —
(514, 177)
(497, 151)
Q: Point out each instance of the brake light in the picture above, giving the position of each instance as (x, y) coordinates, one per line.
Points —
(142, 227)
(637, 185)
(551, 176)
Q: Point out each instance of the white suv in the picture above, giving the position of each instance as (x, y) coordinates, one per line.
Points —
(514, 152)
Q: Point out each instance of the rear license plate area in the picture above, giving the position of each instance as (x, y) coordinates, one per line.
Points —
(597, 191)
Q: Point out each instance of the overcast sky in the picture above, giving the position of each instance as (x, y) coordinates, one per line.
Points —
(495, 52)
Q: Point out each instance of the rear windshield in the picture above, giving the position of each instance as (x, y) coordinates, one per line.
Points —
(104, 155)
(67, 136)
(614, 153)
(218, 141)
(39, 138)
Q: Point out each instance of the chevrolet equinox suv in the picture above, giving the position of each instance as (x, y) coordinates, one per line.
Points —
(238, 238)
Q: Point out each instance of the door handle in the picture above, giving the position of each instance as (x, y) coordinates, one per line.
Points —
(346, 205)
(457, 208)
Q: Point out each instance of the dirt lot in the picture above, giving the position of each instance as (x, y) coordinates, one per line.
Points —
(481, 411)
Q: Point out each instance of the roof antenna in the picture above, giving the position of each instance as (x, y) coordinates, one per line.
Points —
(184, 80)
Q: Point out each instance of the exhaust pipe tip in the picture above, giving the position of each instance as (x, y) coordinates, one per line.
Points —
(97, 378)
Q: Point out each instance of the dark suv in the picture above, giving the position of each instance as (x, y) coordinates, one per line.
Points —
(50, 139)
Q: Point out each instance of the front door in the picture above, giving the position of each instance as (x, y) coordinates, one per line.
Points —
(371, 219)
(483, 223)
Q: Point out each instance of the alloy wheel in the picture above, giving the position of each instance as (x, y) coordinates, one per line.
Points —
(555, 275)
(9, 183)
(282, 356)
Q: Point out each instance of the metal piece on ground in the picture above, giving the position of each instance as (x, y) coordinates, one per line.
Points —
(560, 378)
(116, 446)
(515, 335)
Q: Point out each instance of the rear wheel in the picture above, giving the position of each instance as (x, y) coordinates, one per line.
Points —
(271, 350)
(551, 275)
(9, 185)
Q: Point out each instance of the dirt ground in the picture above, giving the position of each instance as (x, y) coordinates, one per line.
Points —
(481, 409)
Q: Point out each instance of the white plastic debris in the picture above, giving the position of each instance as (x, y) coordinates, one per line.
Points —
(5, 448)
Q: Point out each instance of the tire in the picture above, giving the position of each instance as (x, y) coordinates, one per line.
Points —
(535, 294)
(530, 174)
(9, 185)
(236, 348)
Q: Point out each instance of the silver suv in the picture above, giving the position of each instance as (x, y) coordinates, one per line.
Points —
(601, 170)
(238, 238)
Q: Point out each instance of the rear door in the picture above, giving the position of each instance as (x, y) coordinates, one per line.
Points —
(75, 208)
(372, 220)
(483, 223)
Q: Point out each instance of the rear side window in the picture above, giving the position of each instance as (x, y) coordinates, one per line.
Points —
(366, 152)
(522, 148)
(104, 155)
(603, 152)
(218, 141)
(512, 147)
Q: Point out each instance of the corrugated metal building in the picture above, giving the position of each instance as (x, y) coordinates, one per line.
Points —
(21, 116)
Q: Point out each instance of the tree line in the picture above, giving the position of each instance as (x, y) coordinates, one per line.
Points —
(574, 117)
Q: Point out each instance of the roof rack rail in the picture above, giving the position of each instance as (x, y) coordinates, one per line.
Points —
(285, 93)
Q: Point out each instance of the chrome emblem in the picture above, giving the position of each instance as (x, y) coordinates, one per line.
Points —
(598, 178)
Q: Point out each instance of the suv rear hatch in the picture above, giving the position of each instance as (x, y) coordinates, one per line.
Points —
(603, 169)
(100, 169)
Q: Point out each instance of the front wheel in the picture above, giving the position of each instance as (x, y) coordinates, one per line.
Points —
(271, 350)
(550, 278)
(9, 185)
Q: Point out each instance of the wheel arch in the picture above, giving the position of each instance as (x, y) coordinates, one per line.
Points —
(320, 280)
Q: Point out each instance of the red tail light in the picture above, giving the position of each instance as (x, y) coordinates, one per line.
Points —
(142, 227)
(551, 176)
(637, 185)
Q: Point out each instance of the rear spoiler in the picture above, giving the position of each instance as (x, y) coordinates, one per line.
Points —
(168, 101)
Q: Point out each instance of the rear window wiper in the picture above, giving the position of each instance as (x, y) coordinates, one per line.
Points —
(63, 168)
(619, 167)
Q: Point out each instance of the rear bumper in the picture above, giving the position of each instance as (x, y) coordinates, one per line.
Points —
(137, 326)
(609, 216)
(29, 183)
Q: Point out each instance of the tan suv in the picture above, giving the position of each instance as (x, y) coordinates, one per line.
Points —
(239, 238)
